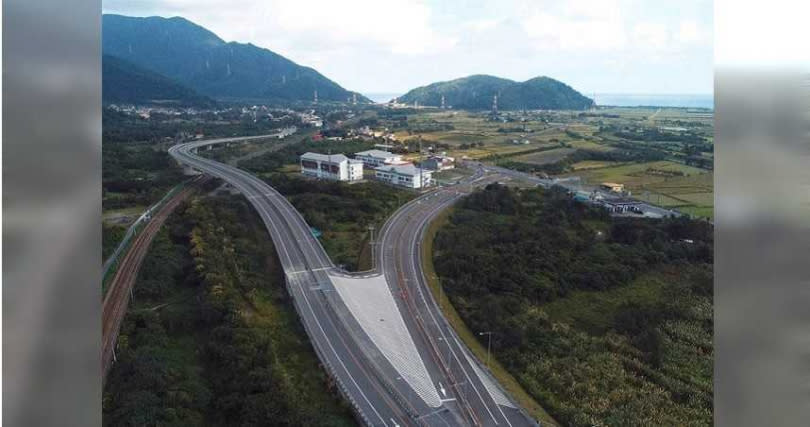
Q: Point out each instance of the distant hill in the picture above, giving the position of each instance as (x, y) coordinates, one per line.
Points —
(123, 82)
(197, 58)
(476, 93)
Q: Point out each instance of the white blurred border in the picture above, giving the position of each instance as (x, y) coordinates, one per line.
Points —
(762, 35)
(762, 213)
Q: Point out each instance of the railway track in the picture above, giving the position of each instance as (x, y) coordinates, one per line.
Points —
(118, 295)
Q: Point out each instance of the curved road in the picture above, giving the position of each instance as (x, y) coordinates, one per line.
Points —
(372, 385)
(400, 256)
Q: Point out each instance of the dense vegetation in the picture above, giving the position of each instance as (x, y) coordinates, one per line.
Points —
(126, 83)
(212, 338)
(604, 321)
(342, 213)
(136, 175)
(476, 93)
(111, 236)
(197, 58)
(118, 126)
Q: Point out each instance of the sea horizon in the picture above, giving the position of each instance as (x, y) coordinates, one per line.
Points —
(682, 100)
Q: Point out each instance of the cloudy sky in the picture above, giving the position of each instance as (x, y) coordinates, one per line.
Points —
(391, 46)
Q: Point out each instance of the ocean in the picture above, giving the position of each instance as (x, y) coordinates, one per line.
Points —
(653, 100)
(618, 99)
(382, 97)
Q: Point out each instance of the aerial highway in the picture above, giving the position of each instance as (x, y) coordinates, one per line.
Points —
(379, 334)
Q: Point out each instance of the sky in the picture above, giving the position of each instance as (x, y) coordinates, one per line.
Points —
(392, 46)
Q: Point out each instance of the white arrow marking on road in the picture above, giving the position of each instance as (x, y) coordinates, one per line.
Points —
(395, 423)
(441, 388)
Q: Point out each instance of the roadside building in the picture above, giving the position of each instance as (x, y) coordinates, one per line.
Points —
(406, 175)
(336, 167)
(622, 206)
(612, 186)
(439, 163)
(375, 158)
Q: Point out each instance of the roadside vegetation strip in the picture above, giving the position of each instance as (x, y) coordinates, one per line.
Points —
(116, 300)
(504, 378)
(113, 261)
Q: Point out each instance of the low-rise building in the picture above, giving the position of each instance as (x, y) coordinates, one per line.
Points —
(375, 158)
(612, 186)
(439, 163)
(406, 175)
(335, 166)
(622, 205)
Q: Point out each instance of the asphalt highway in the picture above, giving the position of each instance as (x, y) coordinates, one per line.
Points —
(305, 264)
(372, 385)
(453, 364)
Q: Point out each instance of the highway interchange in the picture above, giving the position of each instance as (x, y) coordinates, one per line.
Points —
(373, 385)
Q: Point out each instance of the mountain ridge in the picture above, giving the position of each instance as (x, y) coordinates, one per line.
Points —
(477, 91)
(196, 57)
(126, 83)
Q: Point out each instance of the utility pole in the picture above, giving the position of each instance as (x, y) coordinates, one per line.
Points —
(371, 243)
(421, 168)
(489, 343)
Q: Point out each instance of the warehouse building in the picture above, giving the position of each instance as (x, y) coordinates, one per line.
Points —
(406, 175)
(335, 166)
(375, 158)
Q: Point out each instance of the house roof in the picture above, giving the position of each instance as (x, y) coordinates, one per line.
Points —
(334, 158)
(408, 169)
(376, 153)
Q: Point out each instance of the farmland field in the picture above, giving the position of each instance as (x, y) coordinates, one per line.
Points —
(593, 164)
(660, 183)
(545, 157)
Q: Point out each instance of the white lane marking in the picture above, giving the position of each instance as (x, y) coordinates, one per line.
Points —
(221, 171)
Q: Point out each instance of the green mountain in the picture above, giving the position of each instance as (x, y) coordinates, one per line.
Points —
(123, 82)
(197, 58)
(477, 93)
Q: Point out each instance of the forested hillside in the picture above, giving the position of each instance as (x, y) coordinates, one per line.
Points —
(211, 337)
(478, 91)
(123, 82)
(604, 321)
(196, 57)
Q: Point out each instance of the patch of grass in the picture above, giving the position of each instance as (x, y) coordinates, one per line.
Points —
(504, 378)
(545, 157)
(669, 184)
(593, 164)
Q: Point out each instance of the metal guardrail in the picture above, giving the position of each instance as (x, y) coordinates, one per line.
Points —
(111, 264)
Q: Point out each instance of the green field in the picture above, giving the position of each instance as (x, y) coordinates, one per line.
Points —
(545, 157)
(659, 183)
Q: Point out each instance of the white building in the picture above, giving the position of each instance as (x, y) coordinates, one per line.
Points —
(439, 163)
(336, 166)
(374, 158)
(406, 175)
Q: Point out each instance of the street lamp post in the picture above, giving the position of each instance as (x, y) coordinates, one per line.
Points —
(489, 343)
